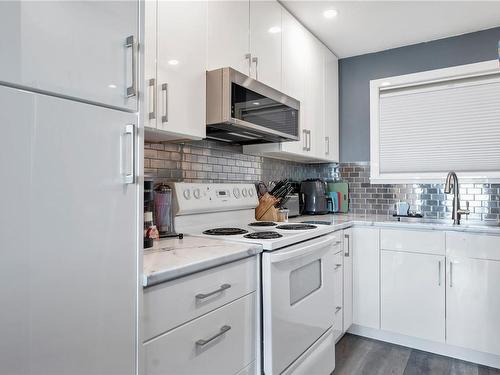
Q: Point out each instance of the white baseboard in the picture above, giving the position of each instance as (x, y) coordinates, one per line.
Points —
(469, 355)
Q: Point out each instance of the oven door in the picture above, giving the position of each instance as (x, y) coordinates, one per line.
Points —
(297, 300)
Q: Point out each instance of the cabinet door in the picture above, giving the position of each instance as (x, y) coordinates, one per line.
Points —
(181, 68)
(314, 96)
(74, 310)
(72, 48)
(228, 35)
(265, 42)
(338, 295)
(150, 112)
(473, 303)
(366, 277)
(331, 107)
(293, 68)
(348, 279)
(413, 294)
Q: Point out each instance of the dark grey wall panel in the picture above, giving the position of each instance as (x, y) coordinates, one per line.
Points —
(356, 72)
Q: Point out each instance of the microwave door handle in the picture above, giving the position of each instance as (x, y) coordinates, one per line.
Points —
(320, 247)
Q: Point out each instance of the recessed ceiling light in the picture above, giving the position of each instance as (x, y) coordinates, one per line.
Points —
(173, 62)
(274, 30)
(330, 13)
(111, 86)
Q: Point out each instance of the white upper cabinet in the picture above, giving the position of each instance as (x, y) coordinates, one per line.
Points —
(176, 95)
(292, 77)
(265, 42)
(81, 49)
(228, 35)
(309, 73)
(314, 99)
(331, 106)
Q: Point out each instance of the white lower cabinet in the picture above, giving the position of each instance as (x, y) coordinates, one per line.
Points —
(366, 277)
(220, 342)
(473, 292)
(347, 290)
(413, 294)
(439, 291)
(338, 296)
(204, 323)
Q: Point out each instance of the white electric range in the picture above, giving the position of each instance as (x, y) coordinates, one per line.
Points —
(297, 272)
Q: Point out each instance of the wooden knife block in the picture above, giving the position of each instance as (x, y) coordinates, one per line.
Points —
(266, 211)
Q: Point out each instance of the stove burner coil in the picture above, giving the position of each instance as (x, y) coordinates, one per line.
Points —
(296, 227)
(263, 224)
(263, 235)
(225, 231)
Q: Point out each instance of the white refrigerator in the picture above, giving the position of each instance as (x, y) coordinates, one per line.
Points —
(69, 216)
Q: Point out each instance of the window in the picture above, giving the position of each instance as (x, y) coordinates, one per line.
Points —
(423, 125)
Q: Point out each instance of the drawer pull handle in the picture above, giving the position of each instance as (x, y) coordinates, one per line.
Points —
(337, 309)
(223, 329)
(222, 288)
(337, 266)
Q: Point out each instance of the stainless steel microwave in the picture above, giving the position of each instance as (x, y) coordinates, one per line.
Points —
(243, 110)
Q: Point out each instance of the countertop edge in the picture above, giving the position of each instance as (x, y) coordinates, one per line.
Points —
(169, 275)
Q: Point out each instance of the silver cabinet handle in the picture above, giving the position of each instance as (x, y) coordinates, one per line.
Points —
(337, 309)
(164, 90)
(129, 175)
(439, 273)
(130, 43)
(327, 145)
(309, 149)
(451, 274)
(337, 266)
(223, 329)
(248, 56)
(256, 61)
(152, 98)
(347, 250)
(206, 295)
(304, 145)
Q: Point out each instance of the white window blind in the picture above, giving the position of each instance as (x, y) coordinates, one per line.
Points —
(438, 127)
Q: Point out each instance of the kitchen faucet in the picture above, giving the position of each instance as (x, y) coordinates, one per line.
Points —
(452, 183)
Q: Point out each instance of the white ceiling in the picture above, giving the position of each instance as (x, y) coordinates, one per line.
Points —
(370, 26)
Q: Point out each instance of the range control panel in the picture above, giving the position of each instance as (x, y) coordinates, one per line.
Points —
(202, 198)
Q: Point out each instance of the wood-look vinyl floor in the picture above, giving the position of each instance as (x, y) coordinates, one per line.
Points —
(357, 355)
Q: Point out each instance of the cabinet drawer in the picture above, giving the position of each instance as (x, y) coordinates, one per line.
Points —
(171, 304)
(415, 241)
(181, 352)
(479, 246)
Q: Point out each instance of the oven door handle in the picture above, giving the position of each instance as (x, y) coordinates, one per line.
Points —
(319, 247)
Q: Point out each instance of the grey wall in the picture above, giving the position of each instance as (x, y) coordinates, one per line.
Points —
(356, 72)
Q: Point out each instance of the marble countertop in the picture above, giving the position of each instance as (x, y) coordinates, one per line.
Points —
(172, 258)
(341, 221)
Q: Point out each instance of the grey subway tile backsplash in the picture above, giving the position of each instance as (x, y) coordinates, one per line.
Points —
(428, 199)
(210, 161)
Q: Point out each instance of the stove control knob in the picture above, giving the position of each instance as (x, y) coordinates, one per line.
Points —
(187, 194)
(197, 193)
(244, 192)
(251, 192)
(236, 192)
